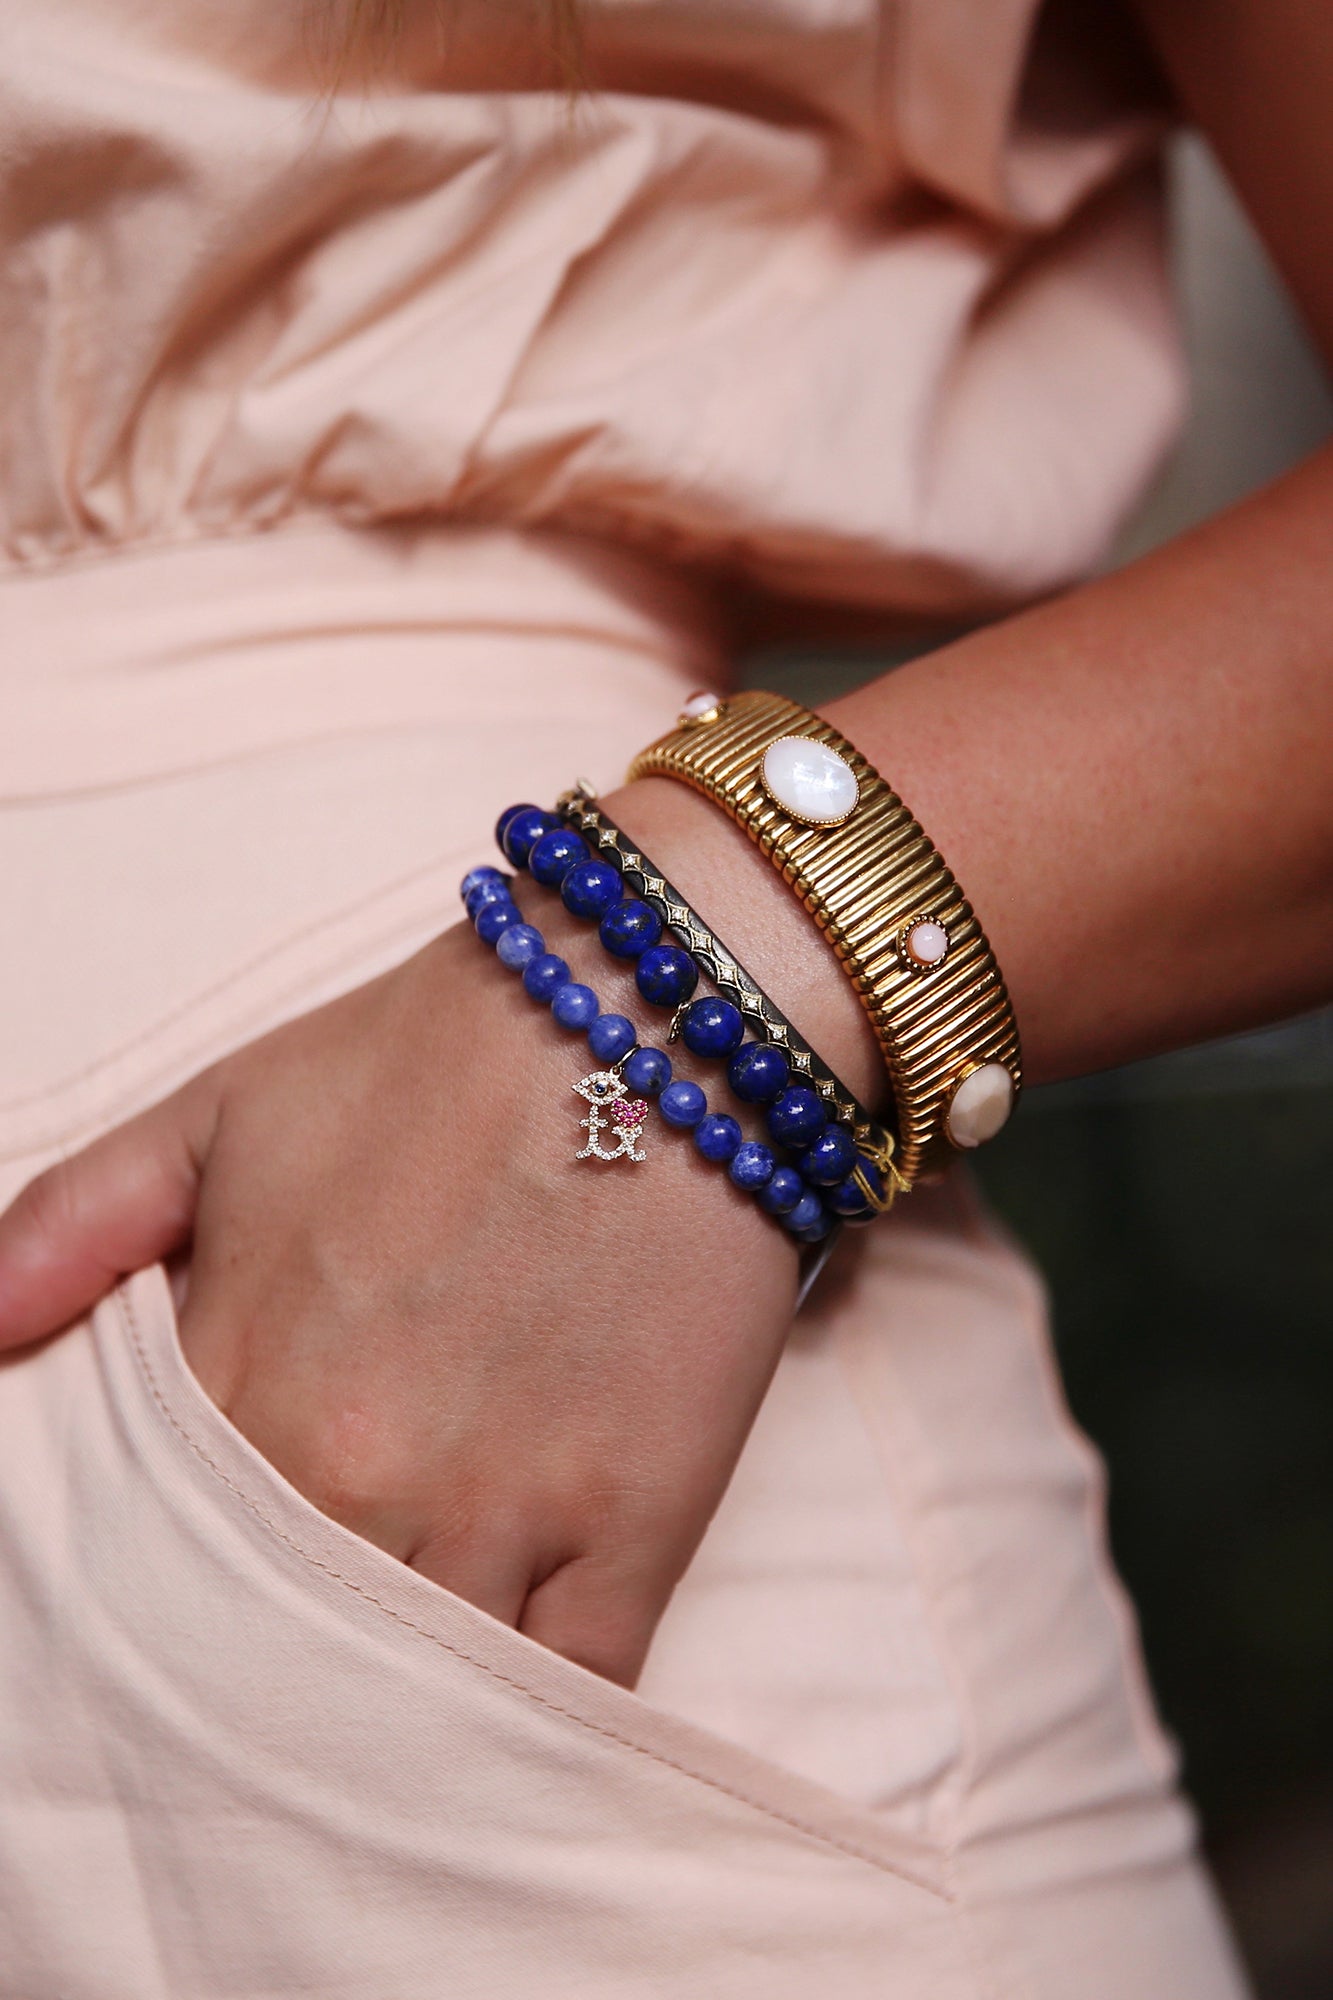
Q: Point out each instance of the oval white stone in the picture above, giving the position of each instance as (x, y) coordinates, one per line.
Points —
(927, 942)
(980, 1105)
(702, 702)
(812, 782)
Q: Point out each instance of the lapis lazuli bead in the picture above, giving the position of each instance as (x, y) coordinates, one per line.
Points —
(502, 824)
(492, 918)
(574, 1006)
(683, 1104)
(476, 899)
(544, 976)
(815, 1231)
(630, 928)
(752, 1165)
(758, 1071)
(610, 1037)
(807, 1211)
(797, 1116)
(591, 888)
(476, 876)
(519, 945)
(848, 1199)
(718, 1137)
(648, 1072)
(666, 975)
(781, 1194)
(712, 1027)
(523, 830)
(551, 858)
(831, 1157)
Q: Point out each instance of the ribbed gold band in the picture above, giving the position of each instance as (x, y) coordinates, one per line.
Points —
(866, 881)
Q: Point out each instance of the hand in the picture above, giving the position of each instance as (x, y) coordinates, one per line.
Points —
(528, 1377)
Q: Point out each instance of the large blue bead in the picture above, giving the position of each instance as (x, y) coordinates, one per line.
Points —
(574, 1006)
(476, 876)
(807, 1211)
(492, 918)
(630, 928)
(683, 1104)
(519, 945)
(552, 857)
(543, 977)
(591, 888)
(797, 1117)
(523, 830)
(502, 824)
(781, 1194)
(610, 1037)
(847, 1199)
(712, 1027)
(717, 1136)
(757, 1072)
(498, 891)
(831, 1158)
(666, 975)
(752, 1166)
(648, 1071)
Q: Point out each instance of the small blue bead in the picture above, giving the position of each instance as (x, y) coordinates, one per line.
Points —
(630, 928)
(502, 824)
(552, 857)
(648, 1071)
(591, 888)
(815, 1231)
(831, 1158)
(712, 1027)
(492, 918)
(717, 1136)
(780, 1195)
(847, 1198)
(542, 977)
(666, 975)
(523, 830)
(476, 876)
(476, 899)
(797, 1117)
(574, 1006)
(519, 945)
(752, 1167)
(757, 1072)
(610, 1037)
(808, 1210)
(683, 1104)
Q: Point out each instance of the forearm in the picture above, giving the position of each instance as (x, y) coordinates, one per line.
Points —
(1131, 782)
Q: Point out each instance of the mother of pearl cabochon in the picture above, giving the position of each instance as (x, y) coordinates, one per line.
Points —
(810, 781)
(980, 1105)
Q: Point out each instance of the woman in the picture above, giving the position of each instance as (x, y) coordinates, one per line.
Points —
(492, 1591)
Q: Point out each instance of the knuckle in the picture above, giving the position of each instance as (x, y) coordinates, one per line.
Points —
(46, 1210)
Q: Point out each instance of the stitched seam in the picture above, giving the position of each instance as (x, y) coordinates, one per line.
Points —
(822, 1838)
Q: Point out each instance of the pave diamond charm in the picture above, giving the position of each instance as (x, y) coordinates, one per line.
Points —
(810, 781)
(609, 1108)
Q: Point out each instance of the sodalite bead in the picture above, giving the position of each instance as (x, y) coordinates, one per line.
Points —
(610, 1037)
(717, 1136)
(492, 918)
(847, 1199)
(807, 1211)
(497, 891)
(781, 1194)
(543, 977)
(519, 945)
(476, 876)
(574, 1006)
(648, 1071)
(630, 928)
(712, 1027)
(797, 1117)
(831, 1158)
(523, 828)
(552, 857)
(666, 975)
(758, 1071)
(591, 888)
(752, 1166)
(683, 1104)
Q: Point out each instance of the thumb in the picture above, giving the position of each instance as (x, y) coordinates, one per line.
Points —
(123, 1202)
